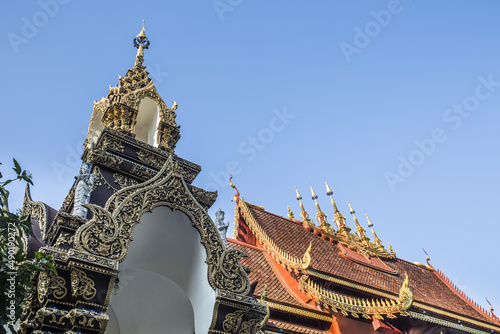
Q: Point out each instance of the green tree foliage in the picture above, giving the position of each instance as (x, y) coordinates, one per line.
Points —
(16, 270)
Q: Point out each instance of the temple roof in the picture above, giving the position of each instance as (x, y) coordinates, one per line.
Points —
(331, 261)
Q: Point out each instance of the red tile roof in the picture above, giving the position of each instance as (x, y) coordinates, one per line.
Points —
(291, 237)
(262, 273)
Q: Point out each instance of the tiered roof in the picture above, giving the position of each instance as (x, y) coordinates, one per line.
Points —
(330, 272)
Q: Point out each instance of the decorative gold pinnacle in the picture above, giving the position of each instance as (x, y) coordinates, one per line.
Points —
(360, 231)
(303, 213)
(141, 42)
(320, 215)
(338, 218)
(390, 249)
(376, 239)
(290, 213)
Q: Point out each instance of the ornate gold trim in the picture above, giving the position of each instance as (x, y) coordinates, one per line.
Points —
(82, 285)
(288, 261)
(356, 306)
(349, 284)
(460, 327)
(456, 316)
(50, 284)
(35, 210)
(109, 232)
(300, 312)
(64, 239)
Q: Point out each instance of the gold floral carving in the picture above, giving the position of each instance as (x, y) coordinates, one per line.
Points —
(232, 321)
(124, 181)
(120, 117)
(107, 159)
(64, 239)
(67, 319)
(110, 143)
(205, 198)
(98, 179)
(81, 285)
(151, 159)
(35, 210)
(142, 172)
(348, 305)
(50, 284)
(109, 232)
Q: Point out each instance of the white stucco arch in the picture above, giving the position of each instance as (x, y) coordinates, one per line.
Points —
(163, 281)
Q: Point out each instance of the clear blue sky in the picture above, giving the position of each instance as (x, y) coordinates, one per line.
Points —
(361, 82)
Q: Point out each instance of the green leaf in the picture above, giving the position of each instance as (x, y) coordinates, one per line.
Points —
(17, 168)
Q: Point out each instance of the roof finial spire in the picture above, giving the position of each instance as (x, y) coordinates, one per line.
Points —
(337, 217)
(141, 42)
(359, 230)
(376, 239)
(303, 213)
(320, 215)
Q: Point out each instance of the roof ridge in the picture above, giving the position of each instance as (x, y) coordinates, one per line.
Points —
(466, 298)
(261, 208)
(291, 263)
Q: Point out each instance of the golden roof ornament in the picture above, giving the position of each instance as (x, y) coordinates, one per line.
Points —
(290, 214)
(376, 239)
(360, 231)
(303, 213)
(141, 41)
(338, 218)
(320, 215)
(390, 249)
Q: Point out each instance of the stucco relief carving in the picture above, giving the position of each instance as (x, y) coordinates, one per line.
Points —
(109, 232)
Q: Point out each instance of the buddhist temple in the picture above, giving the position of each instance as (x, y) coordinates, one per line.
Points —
(137, 252)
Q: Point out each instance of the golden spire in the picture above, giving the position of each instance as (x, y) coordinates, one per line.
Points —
(359, 230)
(337, 217)
(303, 213)
(320, 215)
(376, 239)
(141, 42)
(390, 249)
(290, 213)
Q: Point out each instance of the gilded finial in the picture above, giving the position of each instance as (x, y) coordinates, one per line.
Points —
(337, 216)
(360, 231)
(491, 306)
(290, 213)
(320, 215)
(141, 40)
(298, 195)
(428, 259)
(313, 194)
(237, 195)
(390, 249)
(376, 239)
(303, 213)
